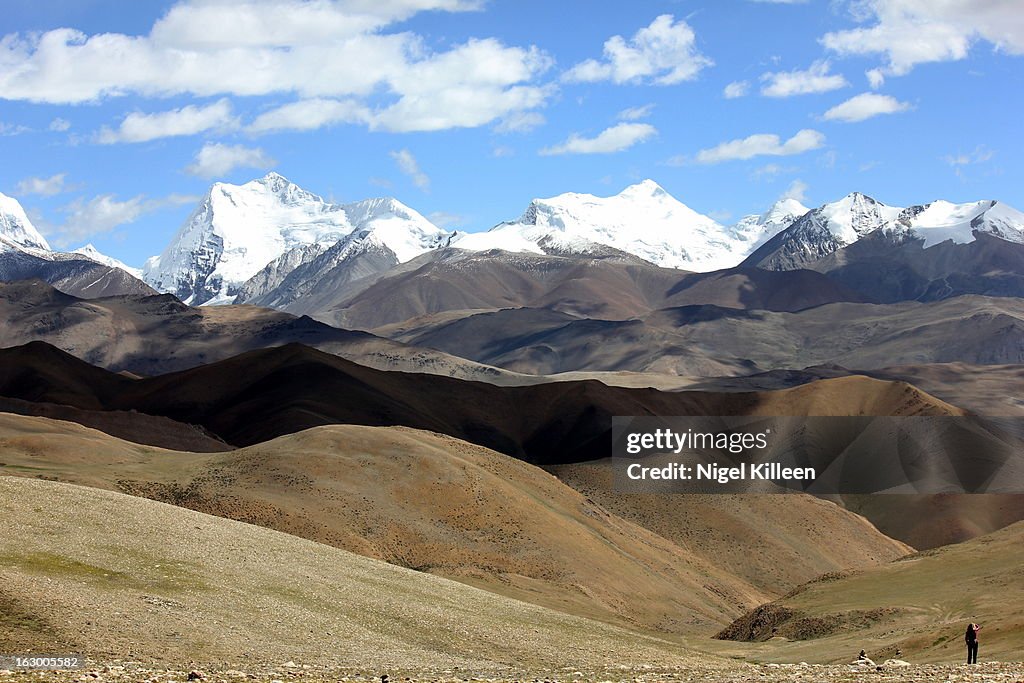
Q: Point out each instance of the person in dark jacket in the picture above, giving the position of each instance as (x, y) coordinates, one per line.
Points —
(971, 638)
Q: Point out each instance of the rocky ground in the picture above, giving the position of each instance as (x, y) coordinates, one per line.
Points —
(129, 672)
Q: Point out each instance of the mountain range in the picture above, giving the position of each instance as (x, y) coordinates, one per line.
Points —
(271, 243)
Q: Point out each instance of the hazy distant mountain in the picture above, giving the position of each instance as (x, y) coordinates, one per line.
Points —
(237, 230)
(756, 229)
(91, 252)
(25, 254)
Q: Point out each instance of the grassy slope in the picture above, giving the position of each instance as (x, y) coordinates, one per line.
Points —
(118, 576)
(935, 594)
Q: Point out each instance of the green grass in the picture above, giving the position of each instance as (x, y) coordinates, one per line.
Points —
(290, 594)
(157, 576)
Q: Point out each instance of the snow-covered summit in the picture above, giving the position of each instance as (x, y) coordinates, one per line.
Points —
(643, 220)
(857, 215)
(852, 217)
(16, 230)
(94, 254)
(756, 229)
(940, 221)
(839, 224)
(396, 226)
(237, 230)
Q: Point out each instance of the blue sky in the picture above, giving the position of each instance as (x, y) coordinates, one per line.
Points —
(116, 116)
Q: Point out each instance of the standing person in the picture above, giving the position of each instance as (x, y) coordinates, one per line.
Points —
(971, 638)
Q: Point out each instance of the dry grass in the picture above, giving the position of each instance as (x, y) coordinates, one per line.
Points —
(122, 577)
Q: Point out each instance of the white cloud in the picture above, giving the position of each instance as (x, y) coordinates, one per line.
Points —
(797, 190)
(103, 213)
(217, 160)
(12, 129)
(226, 24)
(665, 53)
(447, 220)
(864, 106)
(762, 144)
(959, 161)
(190, 120)
(735, 89)
(770, 171)
(635, 113)
(322, 49)
(815, 79)
(614, 139)
(911, 32)
(408, 165)
(470, 85)
(59, 125)
(309, 115)
(46, 187)
(876, 79)
(979, 155)
(520, 122)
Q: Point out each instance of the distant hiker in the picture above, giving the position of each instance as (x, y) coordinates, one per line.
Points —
(971, 638)
(863, 660)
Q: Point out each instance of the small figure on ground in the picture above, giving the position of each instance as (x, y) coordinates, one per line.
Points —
(971, 638)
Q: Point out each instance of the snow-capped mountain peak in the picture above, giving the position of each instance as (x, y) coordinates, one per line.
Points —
(238, 230)
(643, 219)
(16, 230)
(235, 231)
(941, 220)
(94, 254)
(646, 187)
(756, 229)
(396, 226)
(854, 216)
(783, 210)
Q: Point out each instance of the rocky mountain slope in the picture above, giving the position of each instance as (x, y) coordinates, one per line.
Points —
(707, 340)
(811, 240)
(153, 334)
